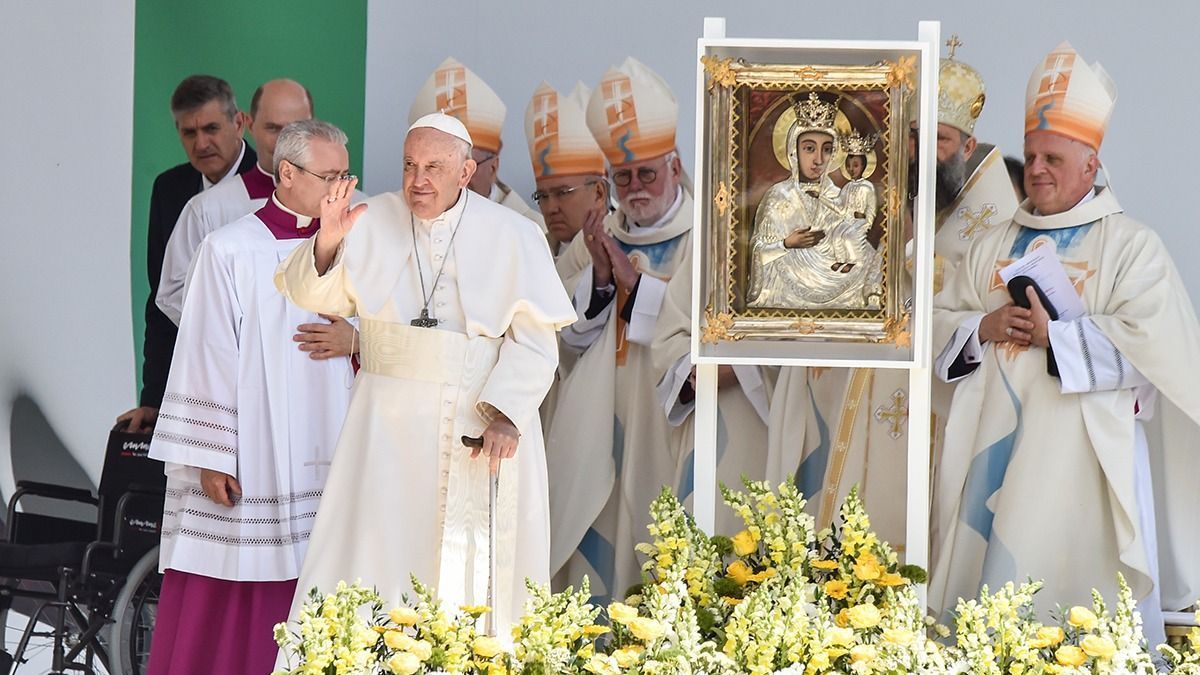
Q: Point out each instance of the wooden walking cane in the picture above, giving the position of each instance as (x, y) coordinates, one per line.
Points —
(493, 493)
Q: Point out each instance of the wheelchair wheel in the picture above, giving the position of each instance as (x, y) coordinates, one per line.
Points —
(133, 616)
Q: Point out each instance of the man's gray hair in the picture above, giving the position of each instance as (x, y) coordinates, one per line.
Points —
(296, 137)
(197, 91)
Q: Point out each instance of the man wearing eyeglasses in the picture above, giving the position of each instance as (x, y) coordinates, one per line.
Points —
(568, 165)
(247, 427)
(274, 105)
(610, 449)
(456, 90)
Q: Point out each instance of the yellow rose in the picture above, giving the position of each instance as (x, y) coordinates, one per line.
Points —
(819, 662)
(867, 568)
(421, 649)
(403, 663)
(1098, 647)
(739, 571)
(404, 616)
(762, 576)
(1051, 634)
(744, 543)
(891, 579)
(621, 612)
(627, 656)
(601, 664)
(1070, 655)
(485, 646)
(898, 636)
(1082, 617)
(841, 636)
(864, 616)
(645, 629)
(862, 654)
(395, 639)
(843, 618)
(836, 589)
(824, 564)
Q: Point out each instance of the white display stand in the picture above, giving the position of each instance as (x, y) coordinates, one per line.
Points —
(917, 508)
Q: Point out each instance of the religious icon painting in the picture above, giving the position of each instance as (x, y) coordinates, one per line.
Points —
(804, 199)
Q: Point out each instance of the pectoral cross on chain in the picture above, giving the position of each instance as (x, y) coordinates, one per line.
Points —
(896, 415)
(424, 321)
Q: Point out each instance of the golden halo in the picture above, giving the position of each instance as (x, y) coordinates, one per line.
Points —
(784, 123)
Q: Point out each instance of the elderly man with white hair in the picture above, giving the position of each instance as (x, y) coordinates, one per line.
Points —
(458, 303)
(1047, 421)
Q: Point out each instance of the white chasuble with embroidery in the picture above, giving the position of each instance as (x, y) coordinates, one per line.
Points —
(1038, 481)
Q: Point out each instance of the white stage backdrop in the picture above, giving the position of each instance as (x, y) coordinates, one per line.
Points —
(65, 180)
(514, 45)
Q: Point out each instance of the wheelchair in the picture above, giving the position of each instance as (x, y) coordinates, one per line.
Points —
(94, 584)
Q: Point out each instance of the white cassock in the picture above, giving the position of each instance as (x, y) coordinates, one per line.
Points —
(609, 448)
(224, 203)
(1051, 477)
(741, 442)
(243, 400)
(403, 497)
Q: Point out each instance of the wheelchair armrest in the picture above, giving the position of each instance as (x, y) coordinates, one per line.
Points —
(146, 489)
(135, 492)
(94, 547)
(34, 488)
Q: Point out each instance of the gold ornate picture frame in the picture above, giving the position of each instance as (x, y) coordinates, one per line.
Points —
(792, 150)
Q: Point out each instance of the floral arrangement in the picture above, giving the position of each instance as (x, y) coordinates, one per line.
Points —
(777, 597)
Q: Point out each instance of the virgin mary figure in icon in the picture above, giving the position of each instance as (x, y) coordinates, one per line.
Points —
(808, 249)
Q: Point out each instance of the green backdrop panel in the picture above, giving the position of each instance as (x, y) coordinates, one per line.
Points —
(319, 44)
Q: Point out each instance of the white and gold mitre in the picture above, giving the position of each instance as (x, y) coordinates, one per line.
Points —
(632, 114)
(458, 92)
(560, 143)
(857, 144)
(813, 114)
(1068, 97)
(960, 95)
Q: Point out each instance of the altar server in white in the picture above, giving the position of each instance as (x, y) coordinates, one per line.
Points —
(247, 428)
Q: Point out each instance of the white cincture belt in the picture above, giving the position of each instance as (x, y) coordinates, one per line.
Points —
(424, 354)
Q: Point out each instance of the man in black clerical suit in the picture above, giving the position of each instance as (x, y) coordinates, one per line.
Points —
(210, 128)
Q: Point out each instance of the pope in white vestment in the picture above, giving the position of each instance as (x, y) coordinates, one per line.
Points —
(1067, 452)
(405, 496)
(456, 90)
